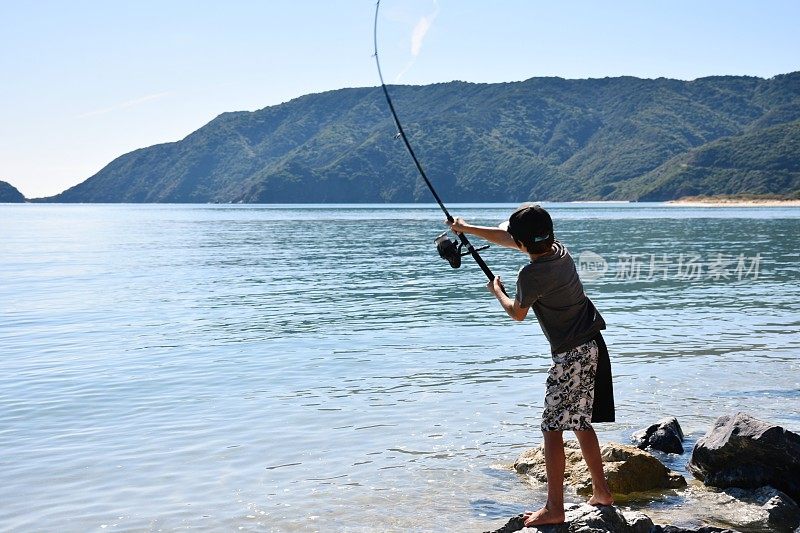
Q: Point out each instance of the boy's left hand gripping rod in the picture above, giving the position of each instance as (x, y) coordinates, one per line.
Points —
(461, 237)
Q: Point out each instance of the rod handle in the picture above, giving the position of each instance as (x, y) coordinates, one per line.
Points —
(478, 259)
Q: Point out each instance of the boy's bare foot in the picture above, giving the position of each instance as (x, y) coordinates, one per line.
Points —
(601, 499)
(543, 517)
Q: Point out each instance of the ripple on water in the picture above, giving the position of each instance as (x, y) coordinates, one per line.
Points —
(212, 367)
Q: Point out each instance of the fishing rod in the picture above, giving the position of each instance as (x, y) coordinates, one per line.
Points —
(449, 250)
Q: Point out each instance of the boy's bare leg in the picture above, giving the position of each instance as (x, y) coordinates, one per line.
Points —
(601, 495)
(553, 511)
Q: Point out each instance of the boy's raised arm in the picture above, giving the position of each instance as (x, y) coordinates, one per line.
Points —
(496, 235)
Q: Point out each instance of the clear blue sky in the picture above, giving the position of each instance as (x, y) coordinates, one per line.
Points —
(84, 81)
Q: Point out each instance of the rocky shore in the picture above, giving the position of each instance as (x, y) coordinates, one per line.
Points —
(747, 478)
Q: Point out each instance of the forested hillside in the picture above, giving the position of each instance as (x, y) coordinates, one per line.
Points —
(541, 139)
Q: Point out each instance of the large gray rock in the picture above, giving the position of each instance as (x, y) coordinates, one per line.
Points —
(665, 435)
(627, 468)
(588, 519)
(742, 451)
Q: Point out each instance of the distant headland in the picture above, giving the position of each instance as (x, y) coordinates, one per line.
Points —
(9, 194)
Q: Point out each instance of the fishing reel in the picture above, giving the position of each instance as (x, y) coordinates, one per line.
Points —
(450, 250)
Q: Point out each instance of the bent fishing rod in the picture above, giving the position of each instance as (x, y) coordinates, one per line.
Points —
(447, 249)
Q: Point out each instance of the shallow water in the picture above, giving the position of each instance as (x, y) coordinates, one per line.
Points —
(296, 368)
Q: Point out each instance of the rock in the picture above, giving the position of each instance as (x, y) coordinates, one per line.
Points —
(588, 519)
(704, 529)
(665, 435)
(775, 510)
(765, 509)
(627, 468)
(742, 451)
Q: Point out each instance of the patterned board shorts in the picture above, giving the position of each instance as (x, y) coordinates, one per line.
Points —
(570, 389)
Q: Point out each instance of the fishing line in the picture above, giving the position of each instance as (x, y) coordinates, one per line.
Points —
(448, 249)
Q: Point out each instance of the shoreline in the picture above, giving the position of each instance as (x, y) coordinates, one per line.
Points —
(699, 201)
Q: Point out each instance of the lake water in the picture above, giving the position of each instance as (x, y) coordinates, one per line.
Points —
(301, 368)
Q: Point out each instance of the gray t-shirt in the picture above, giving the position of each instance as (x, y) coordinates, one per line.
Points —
(551, 285)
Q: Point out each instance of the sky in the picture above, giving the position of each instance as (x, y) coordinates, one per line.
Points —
(85, 81)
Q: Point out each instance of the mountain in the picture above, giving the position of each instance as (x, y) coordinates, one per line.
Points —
(761, 162)
(544, 138)
(9, 194)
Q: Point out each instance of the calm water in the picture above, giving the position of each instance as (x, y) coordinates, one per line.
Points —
(300, 368)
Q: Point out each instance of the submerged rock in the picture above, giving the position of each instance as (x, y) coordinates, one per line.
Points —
(587, 519)
(764, 508)
(665, 435)
(742, 451)
(627, 468)
(704, 529)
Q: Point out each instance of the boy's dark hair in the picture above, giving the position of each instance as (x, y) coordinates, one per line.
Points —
(532, 226)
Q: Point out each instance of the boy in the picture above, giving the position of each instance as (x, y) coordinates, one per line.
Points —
(579, 389)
